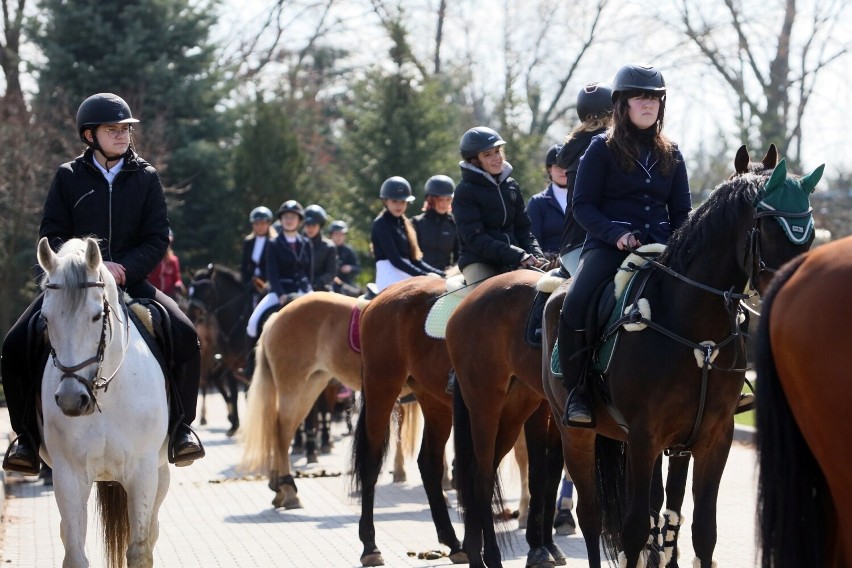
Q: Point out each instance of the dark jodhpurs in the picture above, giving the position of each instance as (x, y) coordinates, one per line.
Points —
(21, 378)
(596, 265)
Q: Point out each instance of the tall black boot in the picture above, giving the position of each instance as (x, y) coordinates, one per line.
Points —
(574, 357)
(184, 445)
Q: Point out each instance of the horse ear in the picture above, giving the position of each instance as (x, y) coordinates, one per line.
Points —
(810, 180)
(93, 254)
(741, 160)
(46, 256)
(779, 176)
(770, 160)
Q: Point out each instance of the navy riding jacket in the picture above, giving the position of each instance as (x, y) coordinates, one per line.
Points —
(609, 202)
(390, 242)
(547, 219)
(289, 266)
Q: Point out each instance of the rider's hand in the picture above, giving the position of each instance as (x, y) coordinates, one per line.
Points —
(528, 260)
(627, 240)
(117, 272)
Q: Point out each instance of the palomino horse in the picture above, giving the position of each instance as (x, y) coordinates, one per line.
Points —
(803, 421)
(673, 383)
(219, 306)
(114, 436)
(499, 392)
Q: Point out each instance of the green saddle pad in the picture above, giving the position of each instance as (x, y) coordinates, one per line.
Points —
(439, 315)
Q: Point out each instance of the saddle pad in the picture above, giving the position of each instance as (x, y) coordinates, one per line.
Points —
(439, 315)
(555, 366)
(355, 329)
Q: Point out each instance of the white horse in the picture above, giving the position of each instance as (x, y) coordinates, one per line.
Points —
(108, 421)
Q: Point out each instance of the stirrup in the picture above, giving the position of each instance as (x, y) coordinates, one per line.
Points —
(196, 449)
(573, 423)
(745, 403)
(26, 465)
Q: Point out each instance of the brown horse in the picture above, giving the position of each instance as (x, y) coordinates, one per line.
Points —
(499, 393)
(674, 384)
(396, 352)
(803, 420)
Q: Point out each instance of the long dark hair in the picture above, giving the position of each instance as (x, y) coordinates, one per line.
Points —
(623, 141)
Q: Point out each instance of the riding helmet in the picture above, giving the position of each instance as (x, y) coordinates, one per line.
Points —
(396, 187)
(440, 186)
(260, 214)
(102, 108)
(478, 139)
(637, 77)
(291, 206)
(552, 152)
(338, 226)
(315, 215)
(595, 99)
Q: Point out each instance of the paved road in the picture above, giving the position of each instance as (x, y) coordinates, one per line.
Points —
(214, 517)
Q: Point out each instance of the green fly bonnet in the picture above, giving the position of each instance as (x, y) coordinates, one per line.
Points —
(788, 200)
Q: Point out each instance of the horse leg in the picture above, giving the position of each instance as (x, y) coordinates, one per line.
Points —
(232, 390)
(310, 423)
(142, 507)
(327, 400)
(672, 517)
(399, 475)
(641, 458)
(436, 432)
(522, 458)
(578, 448)
(72, 493)
(709, 465)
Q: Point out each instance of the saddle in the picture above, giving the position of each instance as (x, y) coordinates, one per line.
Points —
(545, 286)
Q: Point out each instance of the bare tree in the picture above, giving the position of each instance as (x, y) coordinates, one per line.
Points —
(10, 59)
(773, 87)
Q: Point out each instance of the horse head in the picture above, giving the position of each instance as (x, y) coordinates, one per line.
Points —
(784, 199)
(78, 293)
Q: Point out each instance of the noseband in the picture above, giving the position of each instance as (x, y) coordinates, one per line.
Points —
(96, 382)
(753, 258)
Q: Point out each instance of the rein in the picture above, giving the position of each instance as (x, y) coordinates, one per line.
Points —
(97, 381)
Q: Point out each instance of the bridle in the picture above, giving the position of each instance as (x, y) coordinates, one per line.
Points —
(97, 381)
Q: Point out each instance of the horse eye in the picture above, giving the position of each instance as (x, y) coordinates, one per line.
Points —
(97, 316)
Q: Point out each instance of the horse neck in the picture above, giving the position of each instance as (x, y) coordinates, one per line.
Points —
(229, 311)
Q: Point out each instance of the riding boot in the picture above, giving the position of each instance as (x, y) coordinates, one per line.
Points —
(22, 456)
(184, 445)
(451, 382)
(574, 357)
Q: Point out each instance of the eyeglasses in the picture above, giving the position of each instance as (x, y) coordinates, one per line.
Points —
(646, 95)
(116, 132)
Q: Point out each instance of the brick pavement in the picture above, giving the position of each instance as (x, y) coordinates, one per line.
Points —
(213, 517)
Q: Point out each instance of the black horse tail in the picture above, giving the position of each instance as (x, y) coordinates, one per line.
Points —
(364, 466)
(791, 485)
(464, 473)
(610, 464)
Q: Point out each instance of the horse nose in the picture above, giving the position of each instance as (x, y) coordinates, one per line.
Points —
(72, 401)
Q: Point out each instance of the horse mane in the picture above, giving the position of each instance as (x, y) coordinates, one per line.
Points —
(720, 213)
(71, 273)
(208, 271)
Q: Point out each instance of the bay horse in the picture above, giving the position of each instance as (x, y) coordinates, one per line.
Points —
(804, 482)
(499, 392)
(114, 437)
(683, 403)
(219, 305)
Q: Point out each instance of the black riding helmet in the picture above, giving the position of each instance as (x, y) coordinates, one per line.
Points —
(595, 99)
(638, 77)
(102, 108)
(260, 214)
(291, 206)
(478, 139)
(315, 215)
(550, 157)
(396, 187)
(440, 186)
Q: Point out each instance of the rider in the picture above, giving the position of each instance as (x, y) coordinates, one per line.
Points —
(348, 266)
(255, 245)
(631, 188)
(393, 238)
(493, 226)
(547, 209)
(166, 275)
(435, 227)
(323, 251)
(288, 265)
(594, 108)
(111, 193)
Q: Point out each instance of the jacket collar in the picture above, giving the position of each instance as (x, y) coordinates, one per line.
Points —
(469, 168)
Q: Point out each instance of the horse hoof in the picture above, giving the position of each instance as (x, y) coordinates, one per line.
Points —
(283, 501)
(374, 559)
(233, 430)
(203, 421)
(313, 458)
(540, 557)
(399, 477)
(559, 557)
(459, 557)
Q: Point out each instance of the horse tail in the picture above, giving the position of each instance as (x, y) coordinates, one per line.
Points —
(610, 462)
(260, 430)
(464, 473)
(364, 466)
(115, 525)
(409, 430)
(790, 531)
